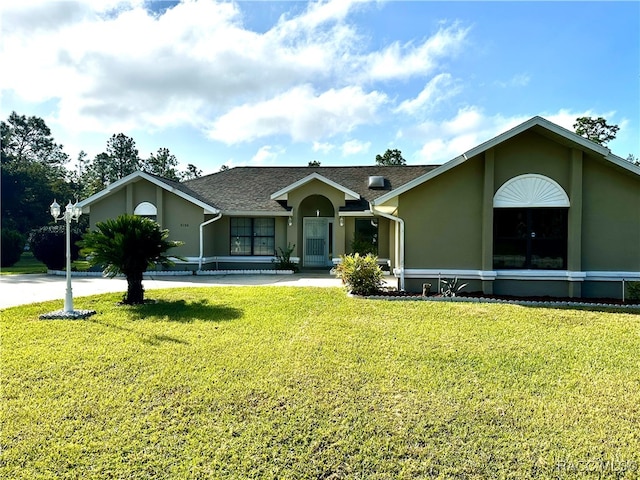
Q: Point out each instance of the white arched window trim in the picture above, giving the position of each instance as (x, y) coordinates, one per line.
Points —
(529, 191)
(146, 209)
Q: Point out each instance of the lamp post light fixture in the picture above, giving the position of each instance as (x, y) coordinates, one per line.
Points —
(71, 212)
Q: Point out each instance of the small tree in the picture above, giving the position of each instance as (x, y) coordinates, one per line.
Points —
(595, 129)
(390, 158)
(191, 172)
(129, 245)
(314, 163)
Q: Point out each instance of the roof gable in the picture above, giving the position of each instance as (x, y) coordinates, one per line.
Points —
(283, 194)
(533, 123)
(158, 181)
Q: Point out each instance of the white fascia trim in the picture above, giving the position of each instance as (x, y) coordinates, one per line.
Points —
(450, 273)
(361, 213)
(603, 276)
(621, 162)
(541, 275)
(539, 121)
(284, 193)
(118, 184)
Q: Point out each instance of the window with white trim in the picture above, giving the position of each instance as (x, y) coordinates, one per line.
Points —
(147, 210)
(252, 236)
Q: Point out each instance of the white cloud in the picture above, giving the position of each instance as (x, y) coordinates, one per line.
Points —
(354, 147)
(323, 147)
(300, 114)
(518, 80)
(267, 154)
(438, 89)
(447, 139)
(117, 66)
(403, 61)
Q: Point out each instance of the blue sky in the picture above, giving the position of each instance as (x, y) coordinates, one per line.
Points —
(284, 83)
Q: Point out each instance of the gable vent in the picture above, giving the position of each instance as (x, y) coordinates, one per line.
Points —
(376, 181)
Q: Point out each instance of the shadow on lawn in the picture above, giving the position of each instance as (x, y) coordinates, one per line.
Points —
(182, 311)
(170, 311)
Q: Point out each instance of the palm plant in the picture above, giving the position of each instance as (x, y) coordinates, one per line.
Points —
(128, 245)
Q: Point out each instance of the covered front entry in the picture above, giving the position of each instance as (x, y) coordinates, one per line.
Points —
(316, 242)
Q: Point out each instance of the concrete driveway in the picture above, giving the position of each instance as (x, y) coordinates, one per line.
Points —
(25, 289)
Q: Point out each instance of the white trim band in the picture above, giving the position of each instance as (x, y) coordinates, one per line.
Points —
(537, 275)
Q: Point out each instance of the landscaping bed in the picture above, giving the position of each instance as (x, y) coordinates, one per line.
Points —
(533, 300)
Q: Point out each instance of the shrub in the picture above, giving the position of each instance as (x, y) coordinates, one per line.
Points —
(12, 247)
(283, 259)
(49, 245)
(361, 274)
(634, 290)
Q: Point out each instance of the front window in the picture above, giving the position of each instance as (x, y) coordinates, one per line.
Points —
(530, 238)
(252, 236)
(365, 238)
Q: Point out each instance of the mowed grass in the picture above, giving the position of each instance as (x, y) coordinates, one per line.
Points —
(283, 382)
(29, 264)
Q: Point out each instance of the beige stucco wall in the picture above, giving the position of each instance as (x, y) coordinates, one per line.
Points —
(611, 225)
(443, 221)
(530, 152)
(182, 219)
(177, 215)
(109, 207)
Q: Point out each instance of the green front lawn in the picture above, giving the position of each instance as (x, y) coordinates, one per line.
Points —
(29, 264)
(26, 264)
(282, 382)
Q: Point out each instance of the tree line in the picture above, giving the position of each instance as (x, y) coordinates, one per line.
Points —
(34, 170)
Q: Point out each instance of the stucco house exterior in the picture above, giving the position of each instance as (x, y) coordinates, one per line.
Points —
(537, 210)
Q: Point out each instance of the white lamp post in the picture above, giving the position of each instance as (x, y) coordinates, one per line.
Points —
(71, 212)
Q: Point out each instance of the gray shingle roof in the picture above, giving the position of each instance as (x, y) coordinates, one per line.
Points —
(250, 188)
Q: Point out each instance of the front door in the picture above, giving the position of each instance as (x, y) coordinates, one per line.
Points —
(316, 241)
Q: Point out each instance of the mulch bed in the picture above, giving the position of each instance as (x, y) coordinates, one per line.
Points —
(514, 299)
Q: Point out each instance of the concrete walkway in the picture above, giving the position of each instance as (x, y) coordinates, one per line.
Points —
(25, 289)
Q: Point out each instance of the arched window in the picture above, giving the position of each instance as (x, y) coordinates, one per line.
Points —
(147, 210)
(530, 214)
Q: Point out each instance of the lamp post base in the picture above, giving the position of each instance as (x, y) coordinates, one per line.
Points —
(63, 315)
